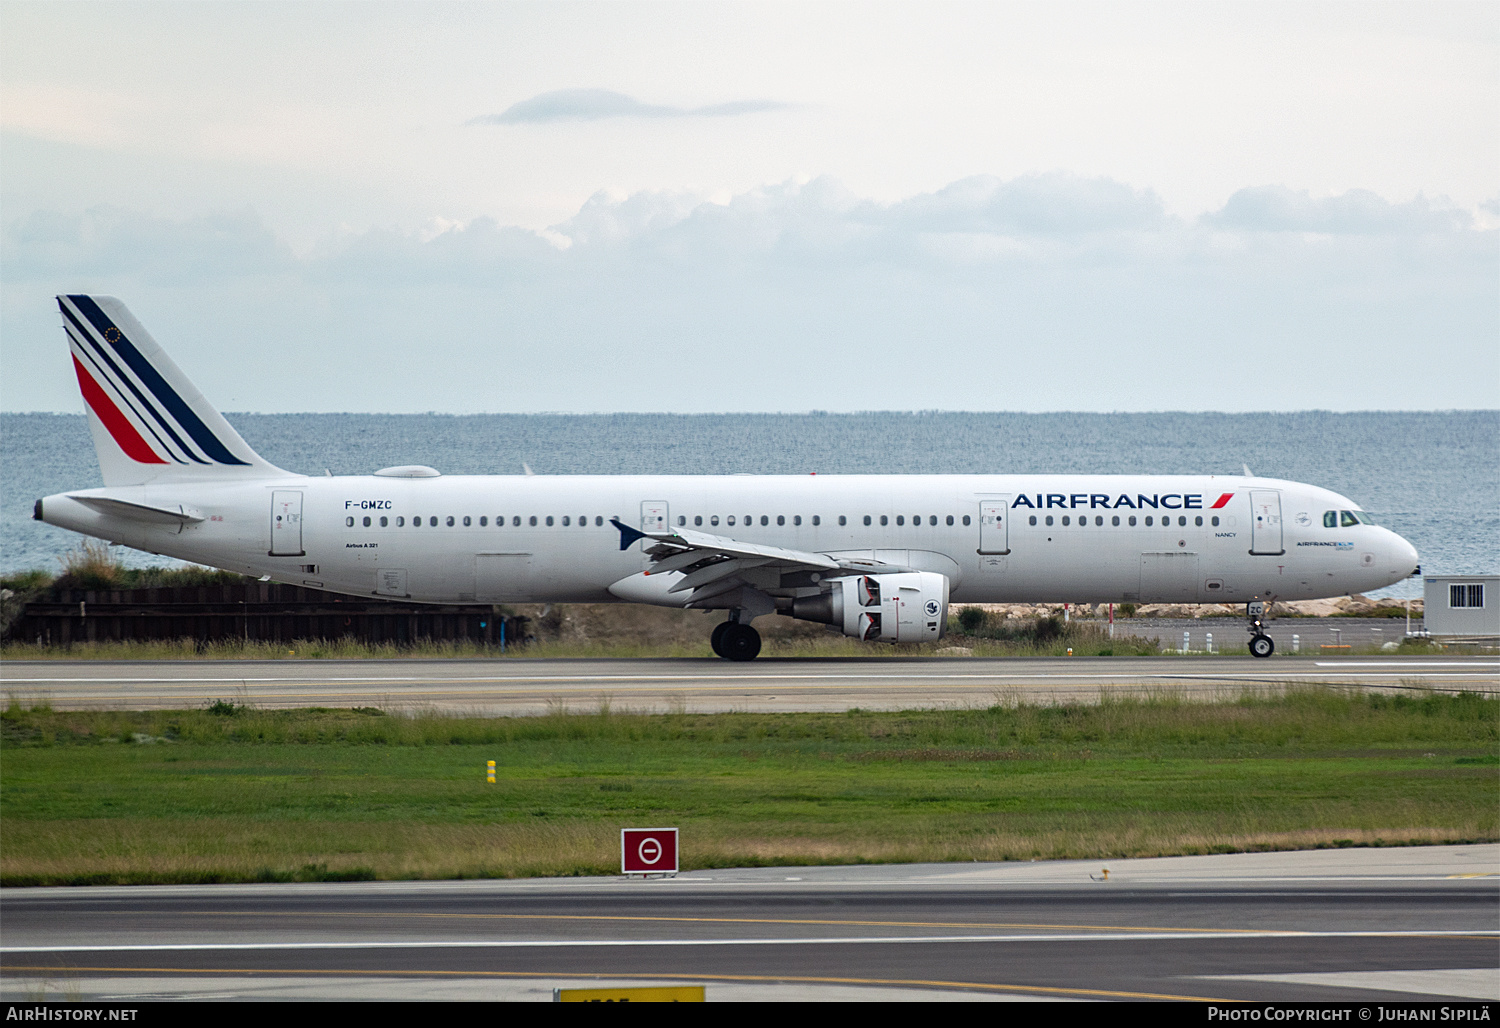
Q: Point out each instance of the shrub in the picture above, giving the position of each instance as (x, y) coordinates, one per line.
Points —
(972, 619)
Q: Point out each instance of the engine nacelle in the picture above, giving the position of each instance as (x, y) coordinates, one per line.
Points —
(905, 606)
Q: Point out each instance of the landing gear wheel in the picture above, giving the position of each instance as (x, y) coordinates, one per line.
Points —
(740, 642)
(1261, 646)
(717, 639)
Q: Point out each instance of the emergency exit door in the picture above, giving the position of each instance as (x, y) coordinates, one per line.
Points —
(994, 525)
(286, 523)
(655, 517)
(1265, 523)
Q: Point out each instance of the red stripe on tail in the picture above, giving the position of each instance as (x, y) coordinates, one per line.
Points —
(129, 440)
(1221, 501)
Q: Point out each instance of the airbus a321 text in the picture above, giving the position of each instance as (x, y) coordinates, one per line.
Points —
(876, 557)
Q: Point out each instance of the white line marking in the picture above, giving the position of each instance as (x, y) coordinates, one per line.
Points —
(816, 941)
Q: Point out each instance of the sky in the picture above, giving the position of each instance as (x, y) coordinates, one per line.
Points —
(494, 207)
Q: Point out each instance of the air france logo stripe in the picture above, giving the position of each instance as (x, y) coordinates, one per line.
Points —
(114, 376)
(160, 388)
(1221, 501)
(124, 433)
(121, 400)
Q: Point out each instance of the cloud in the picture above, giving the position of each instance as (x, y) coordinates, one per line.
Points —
(600, 104)
(1045, 292)
(1050, 204)
(1356, 212)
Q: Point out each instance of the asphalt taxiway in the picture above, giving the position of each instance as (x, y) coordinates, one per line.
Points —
(528, 686)
(1393, 924)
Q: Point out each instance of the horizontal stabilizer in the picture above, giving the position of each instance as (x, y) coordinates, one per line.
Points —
(178, 514)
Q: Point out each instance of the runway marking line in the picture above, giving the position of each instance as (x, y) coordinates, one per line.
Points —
(720, 920)
(656, 976)
(855, 940)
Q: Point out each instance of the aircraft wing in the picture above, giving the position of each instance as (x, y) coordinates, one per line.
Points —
(712, 564)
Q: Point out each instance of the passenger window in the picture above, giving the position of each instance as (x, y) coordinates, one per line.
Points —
(932, 520)
(484, 522)
(729, 520)
(467, 521)
(1066, 521)
(1198, 521)
(549, 520)
(598, 520)
(1115, 520)
(384, 522)
(749, 520)
(900, 519)
(867, 519)
(1099, 520)
(764, 520)
(583, 521)
(1149, 522)
(714, 521)
(1347, 519)
(401, 522)
(515, 522)
(1215, 521)
(817, 520)
(966, 520)
(1049, 520)
(796, 519)
(884, 520)
(450, 520)
(1330, 519)
(781, 519)
(348, 522)
(842, 520)
(367, 521)
(698, 520)
(950, 520)
(1033, 519)
(532, 521)
(681, 520)
(1132, 521)
(432, 522)
(1182, 520)
(567, 521)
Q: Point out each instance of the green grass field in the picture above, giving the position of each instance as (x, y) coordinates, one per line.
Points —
(231, 794)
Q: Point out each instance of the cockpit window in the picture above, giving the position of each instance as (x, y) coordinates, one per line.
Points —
(1330, 519)
(1347, 519)
(1364, 519)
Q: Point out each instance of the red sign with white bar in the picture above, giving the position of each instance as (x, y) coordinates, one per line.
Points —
(648, 851)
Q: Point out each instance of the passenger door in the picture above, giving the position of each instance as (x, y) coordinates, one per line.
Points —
(286, 523)
(994, 525)
(1265, 523)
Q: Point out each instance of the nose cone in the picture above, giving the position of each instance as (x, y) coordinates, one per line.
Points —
(1400, 556)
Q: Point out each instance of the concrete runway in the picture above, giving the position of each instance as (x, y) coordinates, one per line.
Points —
(522, 686)
(1354, 925)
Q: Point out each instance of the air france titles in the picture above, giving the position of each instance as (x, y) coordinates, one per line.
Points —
(1072, 501)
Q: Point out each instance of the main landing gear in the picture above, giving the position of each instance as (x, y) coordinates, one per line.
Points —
(735, 641)
(1261, 644)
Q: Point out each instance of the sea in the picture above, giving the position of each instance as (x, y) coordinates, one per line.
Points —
(1432, 476)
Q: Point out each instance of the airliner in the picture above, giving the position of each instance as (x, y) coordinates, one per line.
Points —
(875, 557)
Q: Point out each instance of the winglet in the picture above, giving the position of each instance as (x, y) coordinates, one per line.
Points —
(1248, 472)
(628, 535)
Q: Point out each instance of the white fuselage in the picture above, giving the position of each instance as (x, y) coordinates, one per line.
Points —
(549, 538)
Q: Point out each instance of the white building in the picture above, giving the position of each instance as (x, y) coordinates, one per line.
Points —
(1461, 605)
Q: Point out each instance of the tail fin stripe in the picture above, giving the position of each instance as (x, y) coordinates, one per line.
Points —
(136, 448)
(152, 379)
(119, 377)
(119, 399)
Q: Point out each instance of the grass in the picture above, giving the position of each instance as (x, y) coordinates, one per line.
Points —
(238, 794)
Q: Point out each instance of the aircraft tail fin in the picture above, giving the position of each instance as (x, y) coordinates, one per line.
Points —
(149, 422)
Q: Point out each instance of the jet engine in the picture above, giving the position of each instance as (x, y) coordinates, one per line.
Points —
(906, 606)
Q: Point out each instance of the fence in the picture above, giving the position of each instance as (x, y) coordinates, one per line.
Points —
(255, 611)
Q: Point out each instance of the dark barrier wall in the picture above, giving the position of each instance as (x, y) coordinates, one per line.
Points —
(256, 611)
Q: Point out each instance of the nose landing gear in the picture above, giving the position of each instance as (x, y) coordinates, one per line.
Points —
(1261, 644)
